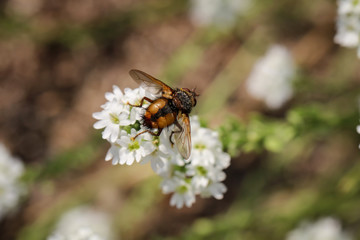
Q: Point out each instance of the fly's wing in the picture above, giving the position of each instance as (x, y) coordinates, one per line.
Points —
(183, 136)
(150, 84)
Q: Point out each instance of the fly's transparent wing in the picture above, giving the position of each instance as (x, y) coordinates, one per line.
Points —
(183, 136)
(150, 84)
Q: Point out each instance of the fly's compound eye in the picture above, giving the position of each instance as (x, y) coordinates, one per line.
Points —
(195, 102)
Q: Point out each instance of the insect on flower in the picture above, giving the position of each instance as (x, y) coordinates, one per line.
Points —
(171, 106)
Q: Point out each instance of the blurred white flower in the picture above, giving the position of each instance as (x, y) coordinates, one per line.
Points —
(348, 24)
(215, 189)
(271, 78)
(358, 130)
(182, 189)
(324, 229)
(83, 223)
(201, 174)
(11, 189)
(206, 145)
(222, 13)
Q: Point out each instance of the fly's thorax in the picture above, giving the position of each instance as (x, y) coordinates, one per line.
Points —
(183, 100)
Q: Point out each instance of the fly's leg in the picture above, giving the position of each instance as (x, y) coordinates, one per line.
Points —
(178, 131)
(141, 102)
(140, 105)
(148, 131)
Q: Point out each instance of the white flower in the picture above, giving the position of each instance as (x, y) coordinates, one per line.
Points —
(222, 13)
(271, 78)
(183, 192)
(223, 159)
(11, 189)
(83, 223)
(205, 143)
(183, 196)
(135, 150)
(200, 177)
(157, 161)
(348, 24)
(111, 118)
(165, 155)
(126, 151)
(113, 154)
(324, 229)
(162, 156)
(206, 180)
(134, 97)
(115, 114)
(115, 96)
(215, 189)
(203, 175)
(206, 147)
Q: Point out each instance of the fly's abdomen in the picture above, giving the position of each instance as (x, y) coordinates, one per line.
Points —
(166, 120)
(159, 114)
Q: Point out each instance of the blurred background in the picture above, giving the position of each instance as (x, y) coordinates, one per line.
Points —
(295, 163)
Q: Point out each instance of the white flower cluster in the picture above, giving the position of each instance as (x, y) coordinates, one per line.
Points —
(83, 223)
(348, 24)
(324, 229)
(271, 78)
(11, 189)
(121, 122)
(201, 174)
(222, 13)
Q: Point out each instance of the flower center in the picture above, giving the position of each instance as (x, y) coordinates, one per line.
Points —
(135, 145)
(156, 141)
(114, 118)
(201, 171)
(199, 146)
(179, 169)
(182, 189)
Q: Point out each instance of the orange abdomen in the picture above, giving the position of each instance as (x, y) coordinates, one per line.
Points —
(159, 114)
